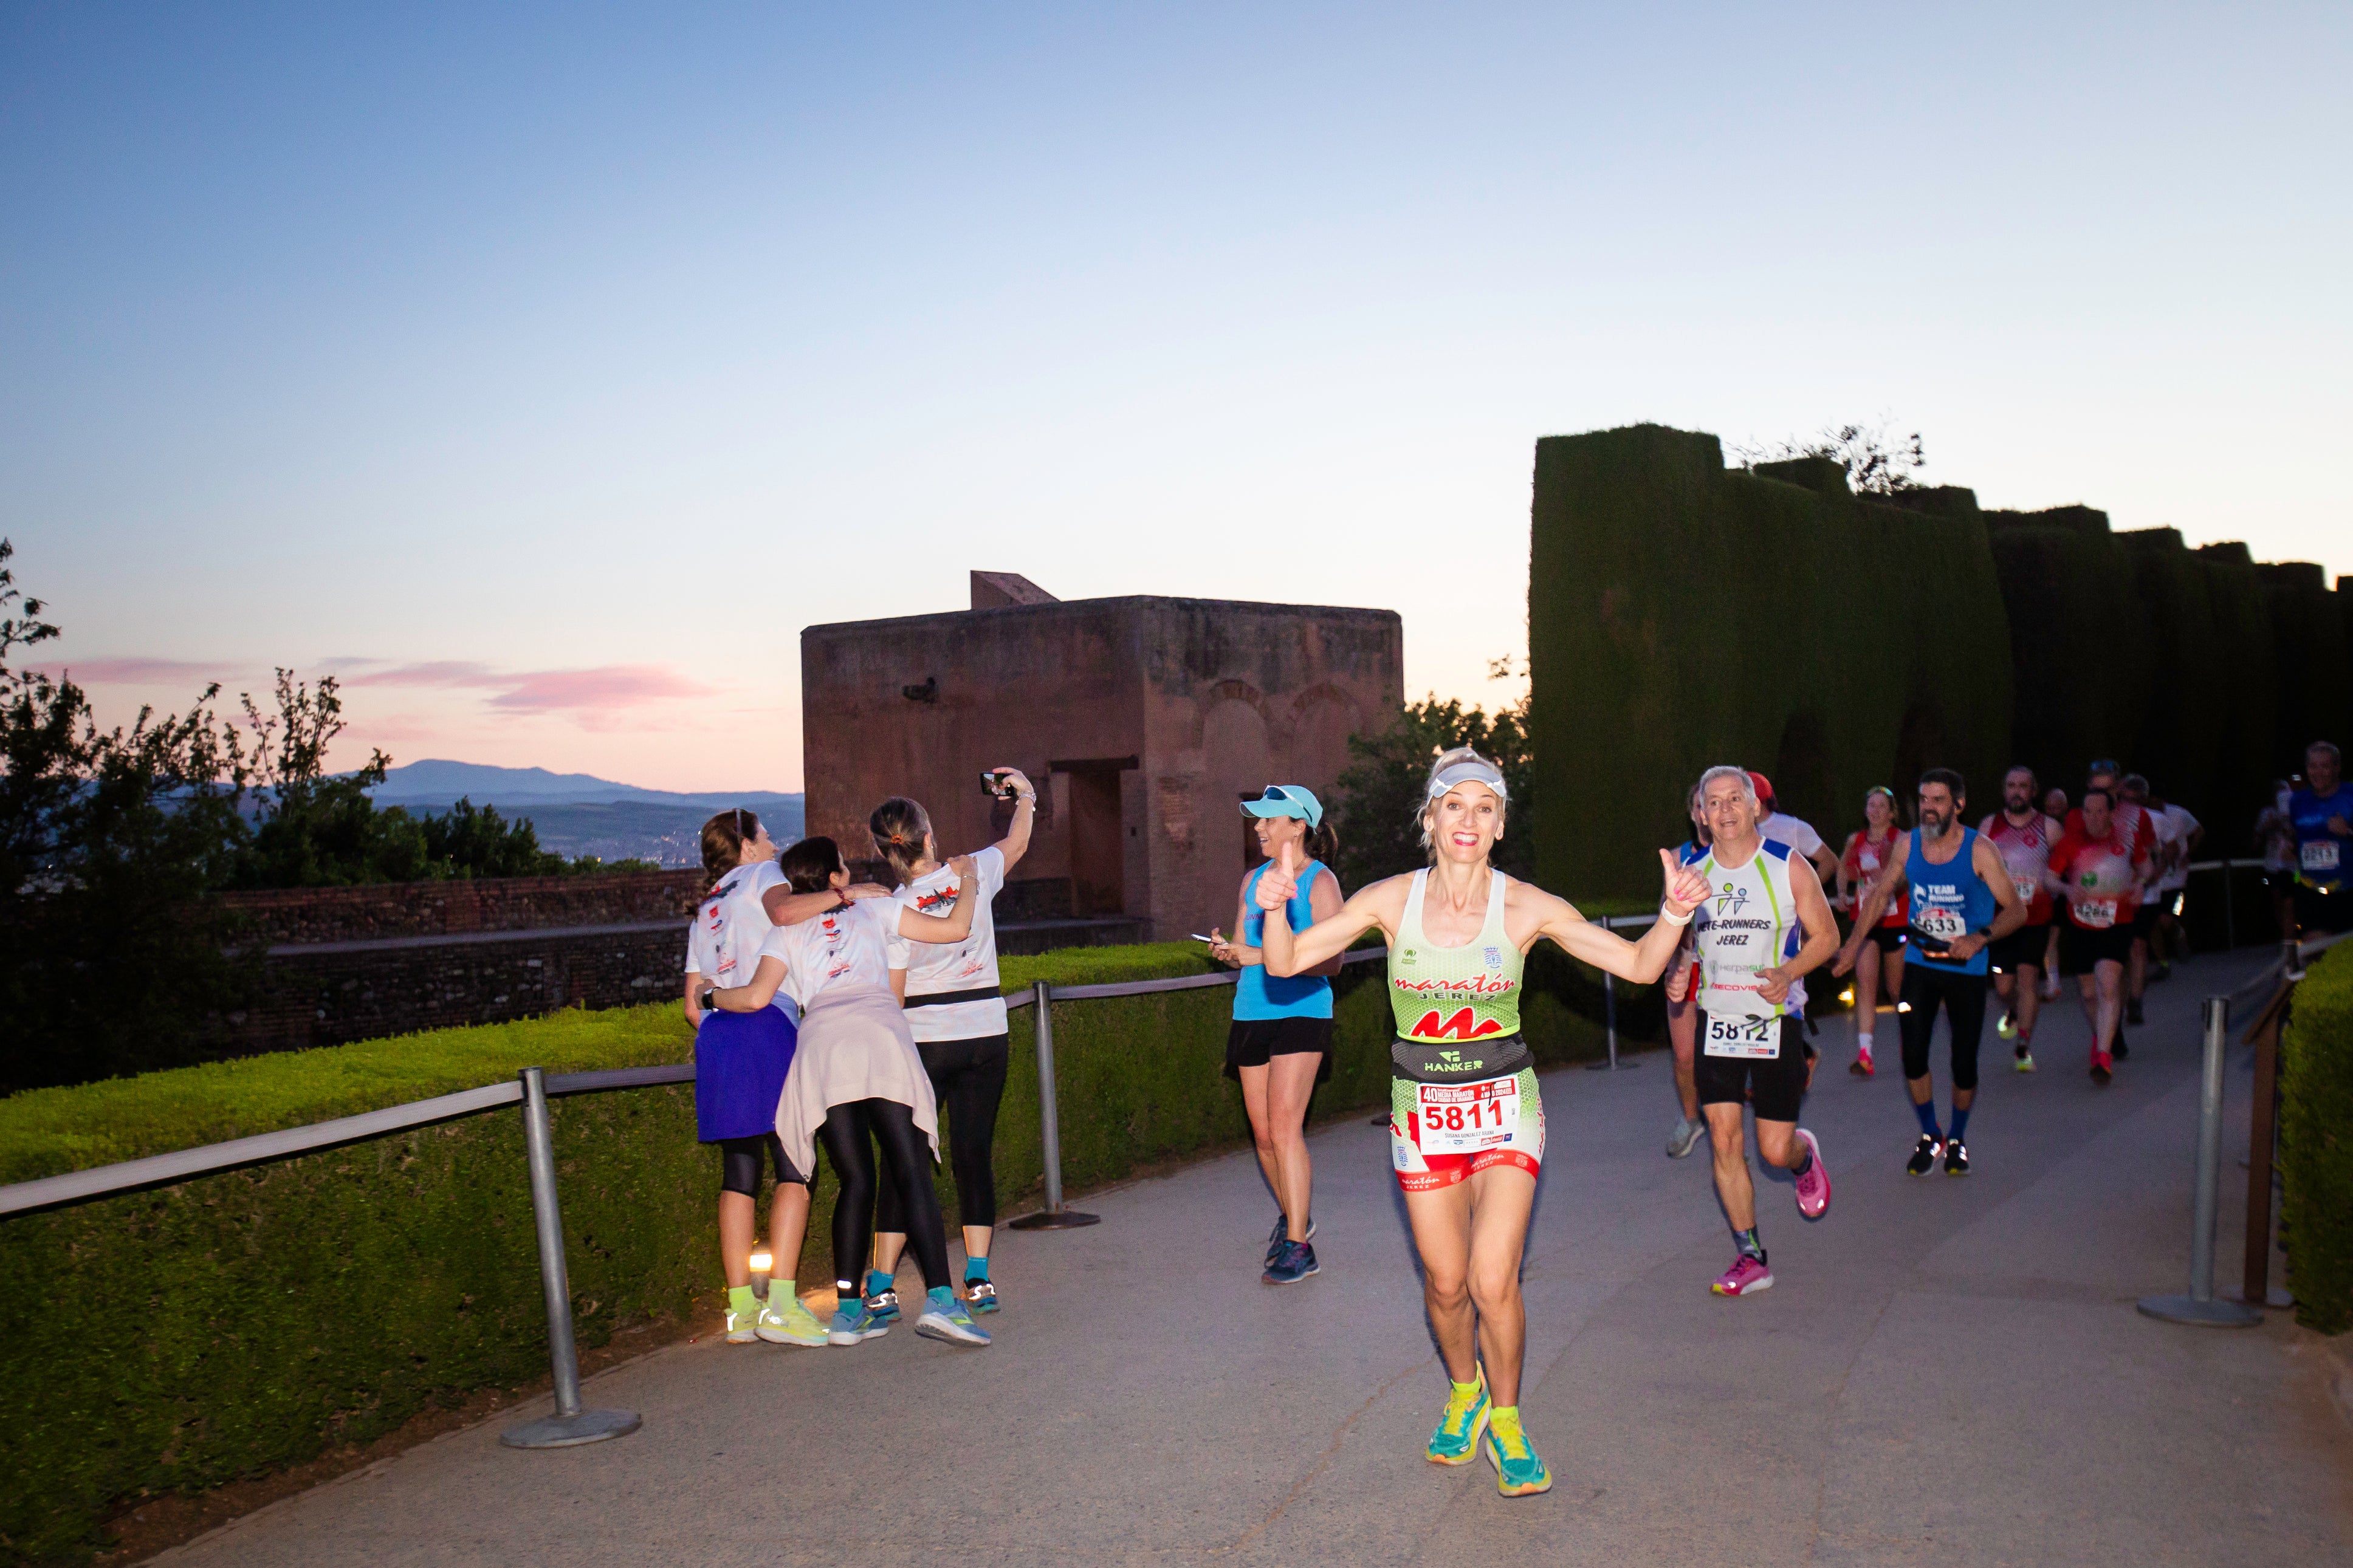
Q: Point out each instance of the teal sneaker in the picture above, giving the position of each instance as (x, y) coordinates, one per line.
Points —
(853, 1323)
(979, 1296)
(883, 1297)
(1518, 1471)
(791, 1324)
(1456, 1441)
(944, 1317)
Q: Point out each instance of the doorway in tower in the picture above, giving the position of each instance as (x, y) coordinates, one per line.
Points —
(1098, 834)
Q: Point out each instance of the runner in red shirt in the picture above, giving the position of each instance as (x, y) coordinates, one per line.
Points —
(2096, 871)
(2132, 827)
(1880, 966)
(2023, 835)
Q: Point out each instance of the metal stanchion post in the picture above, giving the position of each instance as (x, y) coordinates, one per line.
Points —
(2199, 1307)
(1609, 1024)
(1050, 1127)
(570, 1425)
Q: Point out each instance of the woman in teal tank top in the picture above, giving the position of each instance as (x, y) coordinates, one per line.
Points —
(1458, 935)
(1279, 1046)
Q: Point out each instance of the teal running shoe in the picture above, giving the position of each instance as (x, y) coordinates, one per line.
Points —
(854, 1323)
(1456, 1441)
(944, 1317)
(1518, 1471)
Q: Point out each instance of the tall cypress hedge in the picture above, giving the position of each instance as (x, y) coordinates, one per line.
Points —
(2314, 680)
(1681, 614)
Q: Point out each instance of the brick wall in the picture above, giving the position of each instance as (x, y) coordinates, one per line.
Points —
(292, 915)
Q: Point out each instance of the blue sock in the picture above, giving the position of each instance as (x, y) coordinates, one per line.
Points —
(975, 1268)
(1960, 1123)
(877, 1281)
(1926, 1112)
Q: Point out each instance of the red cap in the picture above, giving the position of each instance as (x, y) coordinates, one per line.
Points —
(1764, 786)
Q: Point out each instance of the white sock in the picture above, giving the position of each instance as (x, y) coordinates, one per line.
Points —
(1863, 1041)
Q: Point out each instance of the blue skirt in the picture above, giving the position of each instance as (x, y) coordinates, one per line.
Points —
(740, 1061)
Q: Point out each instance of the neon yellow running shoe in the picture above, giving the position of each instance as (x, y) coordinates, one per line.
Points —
(791, 1324)
(1518, 1471)
(1456, 1441)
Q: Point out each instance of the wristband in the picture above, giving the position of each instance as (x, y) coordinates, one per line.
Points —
(1671, 919)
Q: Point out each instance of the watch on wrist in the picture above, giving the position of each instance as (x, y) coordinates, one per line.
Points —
(710, 999)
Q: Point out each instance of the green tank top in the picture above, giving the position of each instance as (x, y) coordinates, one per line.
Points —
(1447, 997)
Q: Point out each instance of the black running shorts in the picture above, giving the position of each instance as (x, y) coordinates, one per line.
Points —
(1776, 1085)
(2020, 949)
(1889, 939)
(1253, 1042)
(2080, 949)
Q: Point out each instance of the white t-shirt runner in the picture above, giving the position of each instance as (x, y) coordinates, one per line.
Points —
(732, 930)
(944, 969)
(856, 945)
(2174, 825)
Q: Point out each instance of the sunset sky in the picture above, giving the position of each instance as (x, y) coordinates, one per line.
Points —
(541, 372)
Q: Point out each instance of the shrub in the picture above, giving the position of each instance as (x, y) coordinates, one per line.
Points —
(2317, 1144)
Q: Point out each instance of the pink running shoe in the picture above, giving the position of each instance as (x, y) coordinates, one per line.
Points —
(1745, 1278)
(1814, 1186)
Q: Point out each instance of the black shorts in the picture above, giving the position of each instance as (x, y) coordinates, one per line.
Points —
(740, 1160)
(2145, 918)
(2022, 949)
(2081, 948)
(1776, 1085)
(1253, 1042)
(1890, 939)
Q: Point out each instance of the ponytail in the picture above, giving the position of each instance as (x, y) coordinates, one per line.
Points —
(900, 827)
(723, 837)
(1322, 842)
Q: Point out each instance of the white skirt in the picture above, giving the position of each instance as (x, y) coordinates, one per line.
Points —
(854, 1045)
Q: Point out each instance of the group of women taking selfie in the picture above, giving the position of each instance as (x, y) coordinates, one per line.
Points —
(1466, 1124)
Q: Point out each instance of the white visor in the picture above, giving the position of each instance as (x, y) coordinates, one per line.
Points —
(1469, 773)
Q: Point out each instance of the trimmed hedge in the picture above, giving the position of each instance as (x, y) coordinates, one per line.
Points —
(237, 1293)
(1680, 614)
(2317, 1144)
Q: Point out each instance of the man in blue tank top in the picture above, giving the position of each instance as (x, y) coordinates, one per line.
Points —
(1962, 901)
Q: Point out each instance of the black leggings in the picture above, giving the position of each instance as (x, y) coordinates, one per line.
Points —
(1964, 996)
(967, 1081)
(849, 1134)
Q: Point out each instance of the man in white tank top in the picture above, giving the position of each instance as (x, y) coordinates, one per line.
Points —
(1765, 924)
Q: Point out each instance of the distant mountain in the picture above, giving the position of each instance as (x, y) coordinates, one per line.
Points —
(578, 813)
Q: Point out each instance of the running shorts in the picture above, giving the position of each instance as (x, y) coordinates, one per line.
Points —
(2144, 919)
(1441, 1133)
(2080, 949)
(2022, 948)
(740, 1160)
(1889, 939)
(1775, 1084)
(1252, 1042)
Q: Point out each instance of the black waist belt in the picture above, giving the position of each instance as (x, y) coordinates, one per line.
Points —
(942, 998)
(1465, 1061)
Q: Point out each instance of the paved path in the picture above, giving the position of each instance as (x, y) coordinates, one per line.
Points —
(1948, 1371)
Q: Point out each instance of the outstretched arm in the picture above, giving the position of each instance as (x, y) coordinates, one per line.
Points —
(956, 924)
(786, 908)
(1286, 951)
(1016, 842)
(1643, 961)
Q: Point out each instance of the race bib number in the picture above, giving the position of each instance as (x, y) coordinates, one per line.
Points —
(2096, 914)
(2319, 855)
(1466, 1118)
(1940, 924)
(1736, 1036)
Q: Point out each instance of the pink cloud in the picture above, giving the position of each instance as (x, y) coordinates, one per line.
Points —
(593, 691)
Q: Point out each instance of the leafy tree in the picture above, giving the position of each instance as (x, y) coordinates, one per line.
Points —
(475, 841)
(1876, 463)
(317, 829)
(114, 954)
(1378, 799)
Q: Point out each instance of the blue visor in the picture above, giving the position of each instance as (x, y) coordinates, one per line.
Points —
(1287, 800)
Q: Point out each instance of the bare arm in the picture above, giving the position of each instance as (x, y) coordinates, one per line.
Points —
(1821, 935)
(750, 998)
(1642, 961)
(954, 926)
(1891, 881)
(693, 1000)
(786, 908)
(1286, 952)
(1016, 842)
(2010, 912)
(1324, 901)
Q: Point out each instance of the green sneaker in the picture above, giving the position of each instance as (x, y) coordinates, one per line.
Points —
(792, 1324)
(1456, 1441)
(743, 1315)
(1518, 1471)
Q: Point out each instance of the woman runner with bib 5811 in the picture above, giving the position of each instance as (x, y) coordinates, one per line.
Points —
(1466, 1128)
